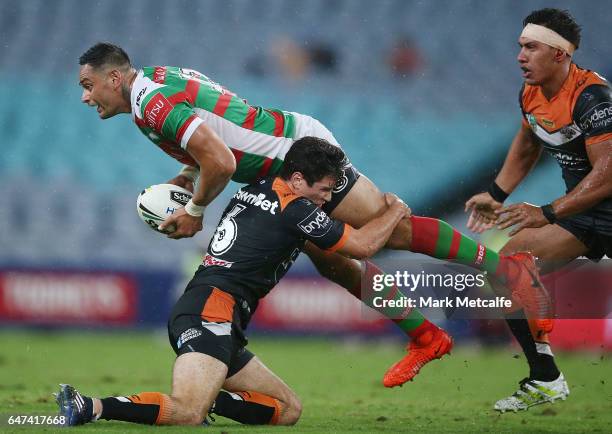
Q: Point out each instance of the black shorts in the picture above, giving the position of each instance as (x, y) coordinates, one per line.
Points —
(210, 321)
(585, 228)
(349, 177)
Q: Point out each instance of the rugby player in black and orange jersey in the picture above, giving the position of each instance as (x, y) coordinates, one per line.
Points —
(567, 111)
(262, 231)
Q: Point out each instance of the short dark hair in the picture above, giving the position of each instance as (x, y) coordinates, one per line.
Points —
(561, 21)
(105, 53)
(315, 158)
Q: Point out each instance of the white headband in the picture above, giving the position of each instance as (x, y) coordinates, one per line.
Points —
(548, 37)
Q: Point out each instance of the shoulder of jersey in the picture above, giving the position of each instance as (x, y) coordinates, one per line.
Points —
(586, 77)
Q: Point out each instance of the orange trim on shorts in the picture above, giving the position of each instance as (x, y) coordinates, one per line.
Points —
(155, 398)
(284, 193)
(598, 139)
(262, 399)
(342, 241)
(219, 307)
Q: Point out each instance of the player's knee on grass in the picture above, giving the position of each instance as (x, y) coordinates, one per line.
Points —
(291, 410)
(187, 411)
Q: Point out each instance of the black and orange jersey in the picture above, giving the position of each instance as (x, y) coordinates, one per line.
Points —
(261, 233)
(579, 115)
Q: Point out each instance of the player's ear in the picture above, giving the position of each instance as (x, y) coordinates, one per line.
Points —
(560, 55)
(115, 77)
(297, 177)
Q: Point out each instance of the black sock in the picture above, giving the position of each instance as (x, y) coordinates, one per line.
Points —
(243, 408)
(541, 361)
(126, 410)
(88, 404)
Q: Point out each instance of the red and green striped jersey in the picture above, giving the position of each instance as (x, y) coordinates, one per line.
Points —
(169, 103)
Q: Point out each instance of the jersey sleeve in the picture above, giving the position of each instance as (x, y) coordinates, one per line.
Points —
(520, 101)
(593, 113)
(171, 117)
(308, 221)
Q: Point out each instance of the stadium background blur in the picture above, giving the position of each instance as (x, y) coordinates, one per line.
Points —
(421, 94)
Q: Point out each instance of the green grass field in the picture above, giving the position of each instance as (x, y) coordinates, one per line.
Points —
(339, 383)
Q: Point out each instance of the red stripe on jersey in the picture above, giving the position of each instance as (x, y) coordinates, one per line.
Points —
(183, 128)
(189, 94)
(249, 121)
(159, 74)
(222, 104)
(237, 155)
(454, 248)
(191, 89)
(178, 98)
(265, 168)
(279, 123)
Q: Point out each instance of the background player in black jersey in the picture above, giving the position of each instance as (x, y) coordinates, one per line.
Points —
(262, 230)
(567, 111)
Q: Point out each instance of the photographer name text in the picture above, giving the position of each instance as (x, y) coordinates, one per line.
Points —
(447, 302)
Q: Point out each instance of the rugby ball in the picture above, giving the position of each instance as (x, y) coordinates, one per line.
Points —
(158, 202)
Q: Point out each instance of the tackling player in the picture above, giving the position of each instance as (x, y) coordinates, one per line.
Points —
(262, 231)
(216, 133)
(567, 111)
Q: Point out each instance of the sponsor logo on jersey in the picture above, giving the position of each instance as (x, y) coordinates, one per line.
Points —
(571, 161)
(156, 112)
(180, 197)
(599, 116)
(210, 260)
(159, 74)
(548, 123)
(258, 200)
(317, 224)
(140, 95)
